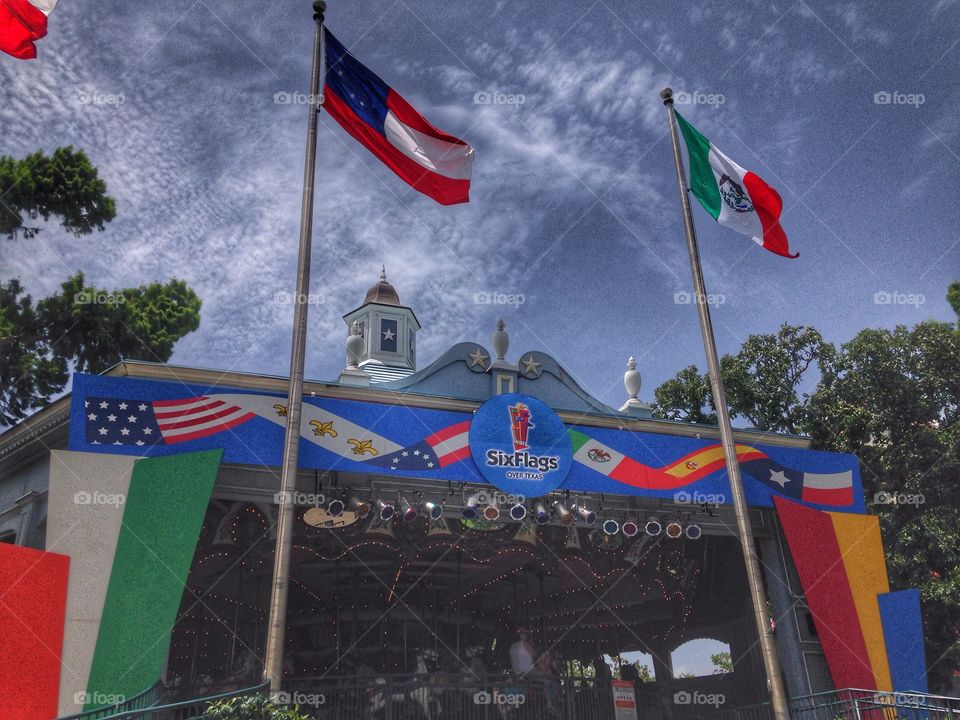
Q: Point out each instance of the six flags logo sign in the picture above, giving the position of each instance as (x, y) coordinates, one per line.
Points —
(520, 426)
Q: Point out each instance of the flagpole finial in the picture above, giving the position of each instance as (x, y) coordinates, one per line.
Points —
(319, 8)
(667, 95)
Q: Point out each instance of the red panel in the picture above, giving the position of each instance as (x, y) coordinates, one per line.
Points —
(816, 554)
(33, 599)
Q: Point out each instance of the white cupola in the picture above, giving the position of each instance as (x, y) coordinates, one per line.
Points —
(388, 331)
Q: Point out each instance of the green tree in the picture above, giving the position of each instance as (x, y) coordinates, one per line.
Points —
(685, 398)
(64, 184)
(893, 398)
(722, 663)
(253, 707)
(765, 382)
(953, 297)
(86, 328)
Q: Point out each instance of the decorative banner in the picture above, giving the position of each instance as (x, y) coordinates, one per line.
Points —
(131, 526)
(839, 558)
(128, 416)
(520, 445)
(33, 596)
(903, 631)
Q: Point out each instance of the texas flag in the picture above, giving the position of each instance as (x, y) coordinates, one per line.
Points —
(426, 158)
(22, 22)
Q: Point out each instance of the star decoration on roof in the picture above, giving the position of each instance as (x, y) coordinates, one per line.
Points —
(388, 334)
(530, 366)
(478, 358)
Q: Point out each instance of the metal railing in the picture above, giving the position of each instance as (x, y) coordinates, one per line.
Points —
(437, 695)
(184, 710)
(149, 697)
(857, 704)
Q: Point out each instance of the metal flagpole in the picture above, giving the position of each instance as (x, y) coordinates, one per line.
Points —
(771, 661)
(276, 628)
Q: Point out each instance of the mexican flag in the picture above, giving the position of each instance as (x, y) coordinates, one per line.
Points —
(735, 197)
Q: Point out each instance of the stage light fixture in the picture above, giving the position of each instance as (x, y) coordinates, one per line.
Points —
(653, 527)
(491, 512)
(565, 516)
(335, 507)
(385, 510)
(360, 507)
(693, 532)
(540, 514)
(587, 516)
(518, 512)
(674, 530)
(408, 511)
(630, 528)
(434, 510)
(611, 526)
(469, 510)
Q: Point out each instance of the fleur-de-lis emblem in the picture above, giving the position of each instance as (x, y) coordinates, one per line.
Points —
(281, 409)
(323, 428)
(361, 447)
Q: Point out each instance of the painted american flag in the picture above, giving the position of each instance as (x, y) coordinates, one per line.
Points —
(117, 421)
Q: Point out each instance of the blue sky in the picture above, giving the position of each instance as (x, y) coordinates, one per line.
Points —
(574, 203)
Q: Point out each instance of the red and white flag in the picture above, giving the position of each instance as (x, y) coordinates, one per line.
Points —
(22, 22)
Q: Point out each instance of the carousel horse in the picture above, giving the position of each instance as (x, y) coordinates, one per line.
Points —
(424, 695)
(421, 696)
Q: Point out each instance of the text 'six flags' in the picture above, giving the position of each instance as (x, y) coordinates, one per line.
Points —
(427, 159)
(22, 22)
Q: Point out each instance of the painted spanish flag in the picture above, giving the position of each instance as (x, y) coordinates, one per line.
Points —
(735, 197)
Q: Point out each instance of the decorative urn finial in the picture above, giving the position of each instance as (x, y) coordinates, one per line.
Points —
(501, 341)
(631, 380)
(383, 273)
(354, 346)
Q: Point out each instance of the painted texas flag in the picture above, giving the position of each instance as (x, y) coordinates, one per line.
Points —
(22, 22)
(426, 158)
(735, 197)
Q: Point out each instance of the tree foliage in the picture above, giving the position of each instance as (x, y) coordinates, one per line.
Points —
(893, 398)
(252, 707)
(65, 184)
(87, 328)
(722, 663)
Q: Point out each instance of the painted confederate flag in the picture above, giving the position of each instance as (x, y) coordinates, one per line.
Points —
(21, 23)
(427, 159)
